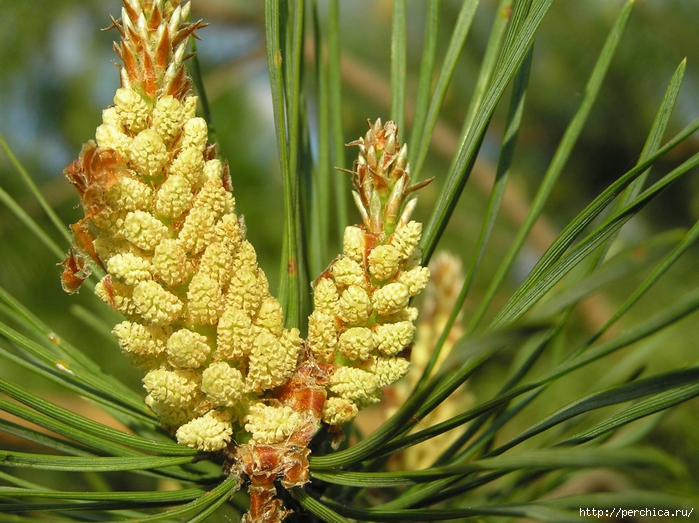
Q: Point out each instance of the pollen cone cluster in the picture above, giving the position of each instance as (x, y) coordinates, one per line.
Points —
(362, 325)
(221, 371)
(159, 218)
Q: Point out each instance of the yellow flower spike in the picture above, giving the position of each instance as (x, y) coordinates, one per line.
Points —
(110, 137)
(149, 153)
(291, 344)
(189, 110)
(188, 164)
(170, 262)
(174, 197)
(212, 170)
(384, 262)
(356, 343)
(392, 338)
(199, 227)
(139, 339)
(235, 335)
(110, 116)
(156, 305)
(339, 411)
(406, 238)
(389, 370)
(372, 323)
(346, 272)
(205, 302)
(143, 230)
(216, 262)
(222, 384)
(262, 283)
(118, 295)
(355, 305)
(415, 279)
(195, 132)
(132, 110)
(187, 349)
(130, 194)
(354, 244)
(246, 291)
(246, 257)
(270, 316)
(352, 383)
(270, 365)
(172, 387)
(200, 321)
(408, 314)
(322, 336)
(130, 268)
(229, 232)
(326, 297)
(391, 298)
(168, 116)
(171, 417)
(111, 222)
(210, 432)
(269, 424)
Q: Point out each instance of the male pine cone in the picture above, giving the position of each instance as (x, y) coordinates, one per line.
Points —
(221, 371)
(159, 218)
(362, 325)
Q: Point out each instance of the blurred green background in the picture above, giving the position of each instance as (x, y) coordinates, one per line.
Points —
(58, 74)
